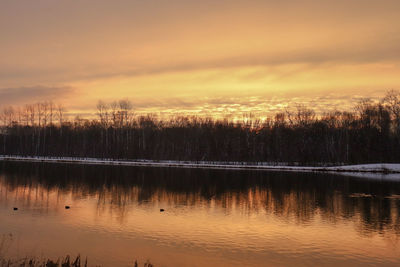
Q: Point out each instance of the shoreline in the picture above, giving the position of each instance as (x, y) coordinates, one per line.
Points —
(377, 168)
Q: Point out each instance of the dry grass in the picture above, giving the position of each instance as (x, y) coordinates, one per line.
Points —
(5, 244)
(64, 262)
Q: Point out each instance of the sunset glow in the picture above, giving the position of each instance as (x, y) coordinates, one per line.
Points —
(225, 58)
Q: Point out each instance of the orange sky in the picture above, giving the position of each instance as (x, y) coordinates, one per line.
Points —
(212, 57)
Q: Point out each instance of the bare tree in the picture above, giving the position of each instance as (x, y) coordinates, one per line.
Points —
(52, 108)
(392, 102)
(8, 116)
(301, 116)
(60, 114)
(39, 113)
(125, 111)
(25, 115)
(45, 112)
(114, 113)
(30, 111)
(103, 113)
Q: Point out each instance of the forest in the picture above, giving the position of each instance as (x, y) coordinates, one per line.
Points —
(369, 133)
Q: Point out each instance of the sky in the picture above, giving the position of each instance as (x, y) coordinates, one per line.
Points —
(214, 58)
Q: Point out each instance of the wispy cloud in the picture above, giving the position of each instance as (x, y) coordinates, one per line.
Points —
(25, 95)
(198, 56)
(383, 49)
(259, 106)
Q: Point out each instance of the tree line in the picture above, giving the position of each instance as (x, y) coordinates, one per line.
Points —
(369, 133)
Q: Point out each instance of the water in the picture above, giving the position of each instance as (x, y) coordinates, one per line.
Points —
(211, 218)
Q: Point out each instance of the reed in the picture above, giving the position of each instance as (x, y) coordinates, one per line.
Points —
(61, 262)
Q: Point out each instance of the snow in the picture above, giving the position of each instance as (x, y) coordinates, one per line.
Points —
(377, 167)
(378, 171)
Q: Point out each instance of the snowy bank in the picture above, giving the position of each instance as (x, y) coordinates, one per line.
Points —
(383, 169)
(377, 167)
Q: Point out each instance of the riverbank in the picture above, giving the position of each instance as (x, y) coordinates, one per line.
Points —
(378, 168)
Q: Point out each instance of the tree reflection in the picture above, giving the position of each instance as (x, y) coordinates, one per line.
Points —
(374, 205)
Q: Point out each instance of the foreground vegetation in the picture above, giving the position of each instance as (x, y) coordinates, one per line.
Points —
(66, 262)
(370, 133)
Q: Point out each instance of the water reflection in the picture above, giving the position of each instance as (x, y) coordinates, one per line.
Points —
(259, 199)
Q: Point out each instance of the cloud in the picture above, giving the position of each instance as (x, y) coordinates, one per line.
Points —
(171, 54)
(382, 52)
(259, 106)
(26, 95)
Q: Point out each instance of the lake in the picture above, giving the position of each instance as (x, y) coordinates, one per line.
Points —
(211, 217)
